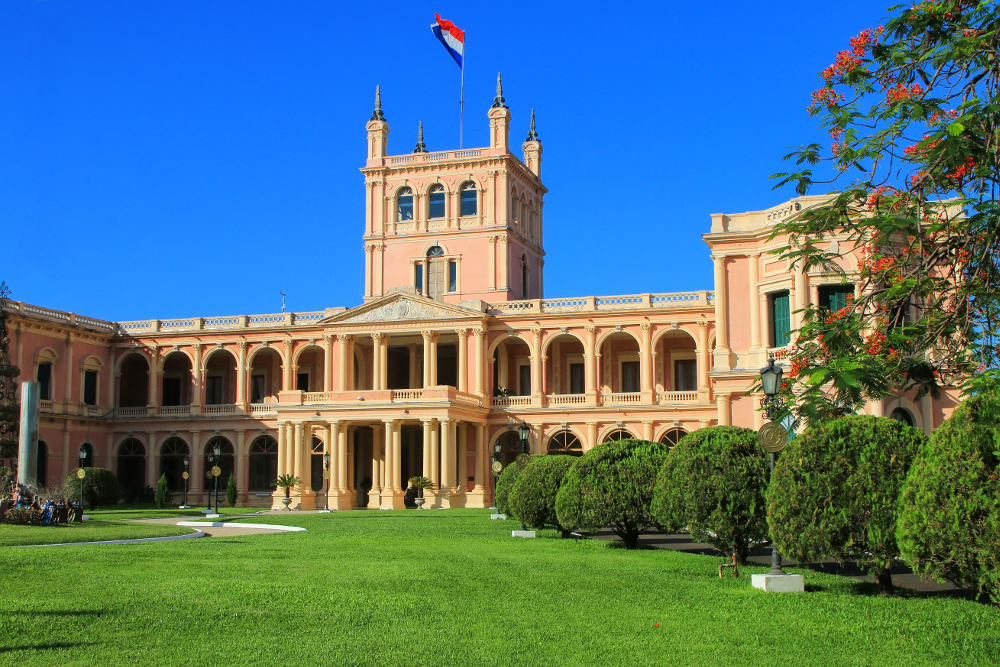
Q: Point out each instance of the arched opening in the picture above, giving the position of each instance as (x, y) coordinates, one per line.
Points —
(309, 369)
(362, 441)
(176, 379)
(220, 378)
(132, 466)
(512, 368)
(403, 358)
(619, 365)
(45, 365)
(42, 467)
(435, 202)
(133, 382)
(172, 454)
(565, 370)
(469, 199)
(676, 362)
(316, 465)
(616, 435)
(263, 460)
(672, 436)
(226, 463)
(265, 376)
(902, 415)
(404, 204)
(565, 442)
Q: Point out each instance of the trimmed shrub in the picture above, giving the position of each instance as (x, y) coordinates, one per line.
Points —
(231, 492)
(533, 496)
(835, 491)
(162, 494)
(713, 483)
(505, 482)
(100, 487)
(612, 485)
(949, 507)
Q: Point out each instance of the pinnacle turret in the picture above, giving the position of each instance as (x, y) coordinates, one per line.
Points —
(532, 135)
(499, 101)
(377, 113)
(421, 147)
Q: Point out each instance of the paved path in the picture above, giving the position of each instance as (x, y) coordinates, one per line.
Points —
(232, 530)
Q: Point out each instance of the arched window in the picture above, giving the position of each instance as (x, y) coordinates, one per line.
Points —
(263, 463)
(435, 202)
(470, 199)
(226, 462)
(564, 442)
(902, 415)
(673, 436)
(435, 251)
(404, 204)
(132, 465)
(172, 455)
(89, 448)
(617, 434)
(317, 464)
(42, 469)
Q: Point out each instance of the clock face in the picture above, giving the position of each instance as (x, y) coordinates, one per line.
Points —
(216, 471)
(184, 475)
(497, 467)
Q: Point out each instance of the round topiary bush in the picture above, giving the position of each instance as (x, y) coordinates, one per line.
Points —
(533, 496)
(505, 482)
(949, 507)
(612, 485)
(100, 487)
(835, 491)
(713, 483)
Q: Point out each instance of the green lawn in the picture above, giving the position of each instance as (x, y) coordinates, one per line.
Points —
(89, 531)
(449, 588)
(151, 512)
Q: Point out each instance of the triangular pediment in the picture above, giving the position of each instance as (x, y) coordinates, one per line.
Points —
(401, 307)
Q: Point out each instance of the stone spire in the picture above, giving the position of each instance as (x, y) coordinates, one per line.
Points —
(377, 113)
(532, 135)
(421, 148)
(499, 101)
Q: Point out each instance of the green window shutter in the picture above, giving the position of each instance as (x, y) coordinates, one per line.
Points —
(780, 320)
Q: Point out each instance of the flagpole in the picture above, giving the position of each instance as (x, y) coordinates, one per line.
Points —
(461, 101)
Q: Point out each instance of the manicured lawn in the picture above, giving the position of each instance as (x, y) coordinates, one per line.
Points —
(89, 531)
(449, 588)
(151, 512)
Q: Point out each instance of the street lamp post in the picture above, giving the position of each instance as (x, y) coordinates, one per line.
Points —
(82, 474)
(494, 470)
(770, 380)
(185, 476)
(522, 433)
(326, 481)
(217, 450)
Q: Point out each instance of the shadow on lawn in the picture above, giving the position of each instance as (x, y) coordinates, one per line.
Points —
(43, 647)
(53, 612)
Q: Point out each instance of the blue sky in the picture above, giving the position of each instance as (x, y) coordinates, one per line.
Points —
(167, 159)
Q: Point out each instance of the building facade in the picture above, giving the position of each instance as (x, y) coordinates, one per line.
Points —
(452, 348)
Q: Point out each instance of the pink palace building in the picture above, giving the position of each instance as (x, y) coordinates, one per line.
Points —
(452, 349)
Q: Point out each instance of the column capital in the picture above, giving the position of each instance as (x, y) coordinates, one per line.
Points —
(343, 338)
(462, 333)
(377, 336)
(479, 332)
(429, 335)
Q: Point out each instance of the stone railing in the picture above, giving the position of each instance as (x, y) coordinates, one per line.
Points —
(174, 410)
(225, 322)
(140, 411)
(556, 400)
(440, 156)
(703, 298)
(504, 402)
(622, 398)
(317, 397)
(401, 395)
(263, 409)
(222, 409)
(678, 396)
(59, 316)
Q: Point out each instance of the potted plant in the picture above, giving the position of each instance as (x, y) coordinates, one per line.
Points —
(420, 483)
(287, 482)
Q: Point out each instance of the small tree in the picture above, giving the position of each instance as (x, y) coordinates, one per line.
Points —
(835, 490)
(713, 483)
(533, 496)
(949, 508)
(162, 494)
(100, 487)
(506, 480)
(231, 492)
(612, 485)
(287, 482)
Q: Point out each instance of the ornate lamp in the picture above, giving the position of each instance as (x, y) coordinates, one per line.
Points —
(522, 433)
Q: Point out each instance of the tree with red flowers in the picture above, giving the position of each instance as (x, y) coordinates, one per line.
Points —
(913, 116)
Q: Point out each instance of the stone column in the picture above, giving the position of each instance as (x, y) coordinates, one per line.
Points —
(428, 337)
(287, 377)
(197, 457)
(152, 457)
(536, 367)
(281, 449)
(590, 365)
(397, 459)
(722, 406)
(721, 314)
(197, 395)
(703, 361)
(154, 380)
(328, 363)
(345, 362)
(800, 295)
(383, 355)
(342, 482)
(645, 364)
(591, 436)
(480, 361)
(240, 473)
(447, 471)
(375, 495)
(377, 360)
(462, 438)
(463, 362)
(436, 434)
(481, 457)
(755, 346)
(241, 376)
(297, 458)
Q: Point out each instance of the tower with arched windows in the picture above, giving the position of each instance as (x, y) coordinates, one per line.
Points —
(454, 225)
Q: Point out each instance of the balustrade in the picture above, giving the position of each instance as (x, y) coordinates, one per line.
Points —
(556, 400)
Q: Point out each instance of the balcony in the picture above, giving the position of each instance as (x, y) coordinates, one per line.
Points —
(677, 397)
(559, 400)
(622, 398)
(508, 402)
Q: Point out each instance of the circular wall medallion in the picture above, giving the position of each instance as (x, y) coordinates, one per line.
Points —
(81, 473)
(326, 474)
(497, 467)
(184, 475)
(772, 436)
(216, 471)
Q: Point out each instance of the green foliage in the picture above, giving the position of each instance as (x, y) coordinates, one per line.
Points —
(287, 482)
(532, 498)
(835, 489)
(420, 482)
(505, 482)
(9, 386)
(161, 496)
(612, 485)
(100, 487)
(913, 114)
(949, 508)
(231, 492)
(713, 484)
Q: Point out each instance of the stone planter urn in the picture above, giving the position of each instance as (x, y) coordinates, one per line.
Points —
(286, 502)
(419, 502)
